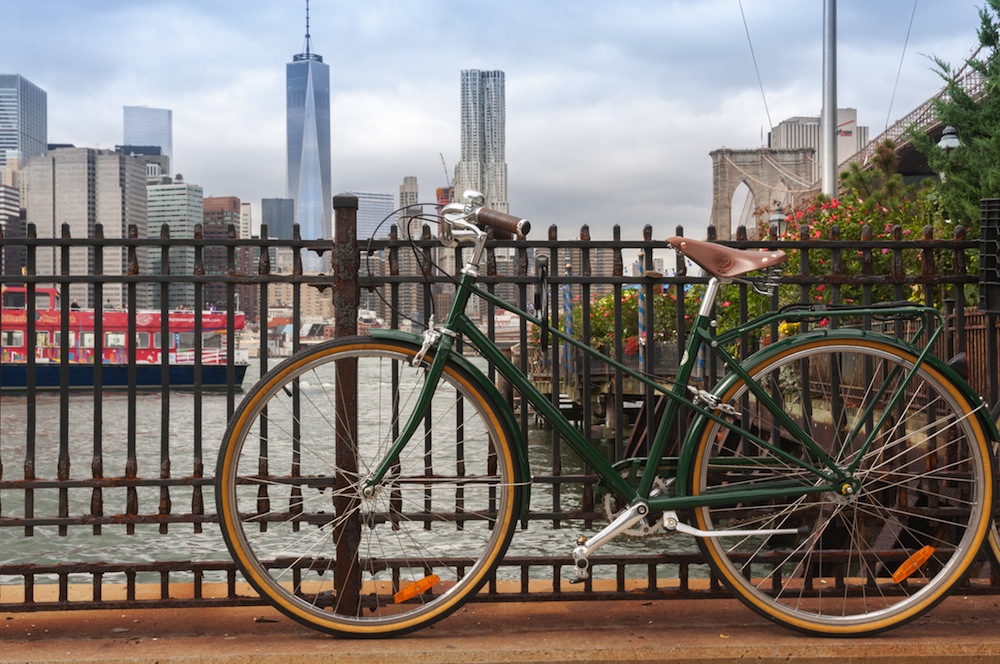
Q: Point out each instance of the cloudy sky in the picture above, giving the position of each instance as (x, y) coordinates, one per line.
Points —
(612, 106)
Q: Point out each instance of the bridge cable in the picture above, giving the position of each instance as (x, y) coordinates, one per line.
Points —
(753, 56)
(902, 55)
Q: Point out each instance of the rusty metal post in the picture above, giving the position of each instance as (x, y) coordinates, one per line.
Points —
(346, 293)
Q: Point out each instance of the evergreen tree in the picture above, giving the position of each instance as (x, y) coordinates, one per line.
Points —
(970, 172)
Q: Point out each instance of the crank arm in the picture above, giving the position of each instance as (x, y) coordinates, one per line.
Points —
(672, 523)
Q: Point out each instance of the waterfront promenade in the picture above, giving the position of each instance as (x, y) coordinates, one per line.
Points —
(962, 629)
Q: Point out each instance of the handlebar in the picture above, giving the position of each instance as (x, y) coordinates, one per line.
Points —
(506, 226)
(467, 220)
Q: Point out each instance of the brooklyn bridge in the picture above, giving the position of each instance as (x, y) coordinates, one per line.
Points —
(785, 175)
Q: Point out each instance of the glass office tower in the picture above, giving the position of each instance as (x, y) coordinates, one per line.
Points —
(23, 118)
(308, 130)
(150, 127)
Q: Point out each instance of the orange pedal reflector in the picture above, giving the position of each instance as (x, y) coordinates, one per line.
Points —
(414, 589)
(913, 563)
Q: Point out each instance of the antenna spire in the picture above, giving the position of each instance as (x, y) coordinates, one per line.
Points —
(307, 27)
(307, 54)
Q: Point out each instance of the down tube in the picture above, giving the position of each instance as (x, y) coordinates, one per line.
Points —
(550, 413)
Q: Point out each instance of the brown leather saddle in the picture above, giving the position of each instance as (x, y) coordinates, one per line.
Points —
(722, 261)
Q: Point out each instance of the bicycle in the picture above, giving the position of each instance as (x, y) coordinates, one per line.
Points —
(839, 482)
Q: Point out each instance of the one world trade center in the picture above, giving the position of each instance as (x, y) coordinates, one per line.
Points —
(308, 126)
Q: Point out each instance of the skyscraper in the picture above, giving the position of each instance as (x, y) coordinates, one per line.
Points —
(23, 118)
(374, 212)
(804, 132)
(221, 212)
(308, 131)
(82, 187)
(246, 220)
(178, 205)
(279, 216)
(13, 256)
(483, 166)
(145, 126)
(409, 214)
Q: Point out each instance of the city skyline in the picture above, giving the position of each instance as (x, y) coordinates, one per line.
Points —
(612, 109)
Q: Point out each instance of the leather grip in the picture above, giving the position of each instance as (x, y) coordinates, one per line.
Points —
(507, 226)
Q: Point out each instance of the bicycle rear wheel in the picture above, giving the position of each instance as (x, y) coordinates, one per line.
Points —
(993, 540)
(877, 553)
(300, 527)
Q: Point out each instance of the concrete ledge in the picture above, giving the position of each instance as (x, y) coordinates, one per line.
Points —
(961, 629)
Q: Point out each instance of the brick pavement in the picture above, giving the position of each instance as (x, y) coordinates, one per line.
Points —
(961, 629)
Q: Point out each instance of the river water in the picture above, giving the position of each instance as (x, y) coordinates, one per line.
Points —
(115, 544)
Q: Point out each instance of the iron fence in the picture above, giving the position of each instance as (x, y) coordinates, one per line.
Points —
(106, 496)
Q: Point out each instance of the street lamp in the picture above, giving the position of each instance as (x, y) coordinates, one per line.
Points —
(949, 139)
(777, 219)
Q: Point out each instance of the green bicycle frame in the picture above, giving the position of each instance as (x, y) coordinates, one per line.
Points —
(816, 461)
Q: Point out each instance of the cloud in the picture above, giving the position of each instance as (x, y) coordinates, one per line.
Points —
(612, 106)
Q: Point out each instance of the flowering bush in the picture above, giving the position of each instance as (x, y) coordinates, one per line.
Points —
(860, 220)
(602, 316)
(876, 209)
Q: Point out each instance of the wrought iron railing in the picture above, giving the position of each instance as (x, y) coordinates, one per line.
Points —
(106, 496)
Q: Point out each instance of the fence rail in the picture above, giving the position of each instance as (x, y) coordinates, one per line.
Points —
(106, 497)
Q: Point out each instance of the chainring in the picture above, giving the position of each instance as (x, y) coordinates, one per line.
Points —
(613, 506)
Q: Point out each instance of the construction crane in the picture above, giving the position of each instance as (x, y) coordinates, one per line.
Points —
(449, 182)
(447, 174)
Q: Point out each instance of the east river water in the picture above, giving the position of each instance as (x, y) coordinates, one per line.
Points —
(46, 545)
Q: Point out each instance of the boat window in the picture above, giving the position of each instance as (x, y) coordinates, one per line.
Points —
(156, 341)
(185, 340)
(114, 340)
(212, 340)
(13, 338)
(87, 340)
(43, 301)
(142, 340)
(57, 338)
(42, 339)
(13, 300)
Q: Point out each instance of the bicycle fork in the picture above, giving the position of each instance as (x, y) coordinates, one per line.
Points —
(637, 512)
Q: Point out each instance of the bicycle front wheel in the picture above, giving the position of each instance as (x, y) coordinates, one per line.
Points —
(879, 549)
(335, 557)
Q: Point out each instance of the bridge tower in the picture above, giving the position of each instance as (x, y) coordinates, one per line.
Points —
(771, 175)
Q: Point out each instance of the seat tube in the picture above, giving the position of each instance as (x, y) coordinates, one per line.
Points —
(684, 371)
